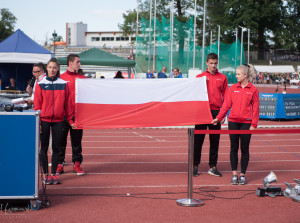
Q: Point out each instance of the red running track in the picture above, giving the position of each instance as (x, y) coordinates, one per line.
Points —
(136, 175)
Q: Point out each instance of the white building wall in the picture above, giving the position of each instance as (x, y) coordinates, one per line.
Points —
(108, 39)
(76, 34)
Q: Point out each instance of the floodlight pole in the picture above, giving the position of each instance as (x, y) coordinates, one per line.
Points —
(195, 25)
(242, 36)
(219, 33)
(203, 38)
(154, 33)
(172, 27)
(150, 27)
(210, 41)
(236, 39)
(136, 33)
(54, 34)
(248, 46)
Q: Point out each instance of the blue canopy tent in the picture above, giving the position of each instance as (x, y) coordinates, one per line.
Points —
(18, 53)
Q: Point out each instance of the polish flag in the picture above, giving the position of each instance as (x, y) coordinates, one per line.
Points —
(131, 103)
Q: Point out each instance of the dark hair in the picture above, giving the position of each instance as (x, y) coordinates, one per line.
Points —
(119, 75)
(176, 69)
(212, 56)
(54, 60)
(71, 57)
(40, 65)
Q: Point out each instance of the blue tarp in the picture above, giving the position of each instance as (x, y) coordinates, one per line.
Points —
(19, 42)
(18, 53)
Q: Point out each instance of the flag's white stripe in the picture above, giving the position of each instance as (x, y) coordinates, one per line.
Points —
(139, 91)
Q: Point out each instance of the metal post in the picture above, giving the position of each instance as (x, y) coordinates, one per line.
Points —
(236, 39)
(219, 33)
(190, 202)
(210, 41)
(172, 27)
(54, 36)
(242, 36)
(195, 25)
(154, 33)
(150, 40)
(136, 33)
(203, 38)
(248, 46)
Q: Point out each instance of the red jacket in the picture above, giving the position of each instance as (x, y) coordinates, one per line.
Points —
(244, 104)
(70, 77)
(51, 96)
(217, 86)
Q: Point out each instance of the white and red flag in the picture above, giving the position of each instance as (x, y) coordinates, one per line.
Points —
(123, 103)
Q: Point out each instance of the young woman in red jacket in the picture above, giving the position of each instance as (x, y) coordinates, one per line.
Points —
(243, 100)
(51, 97)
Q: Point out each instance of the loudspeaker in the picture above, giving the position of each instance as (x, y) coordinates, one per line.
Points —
(269, 179)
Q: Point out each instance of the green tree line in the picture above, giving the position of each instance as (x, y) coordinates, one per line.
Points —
(271, 22)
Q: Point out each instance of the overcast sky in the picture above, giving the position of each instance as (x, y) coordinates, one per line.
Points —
(38, 18)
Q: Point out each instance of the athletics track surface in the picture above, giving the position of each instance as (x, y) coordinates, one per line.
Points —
(136, 175)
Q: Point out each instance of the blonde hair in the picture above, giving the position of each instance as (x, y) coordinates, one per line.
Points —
(247, 69)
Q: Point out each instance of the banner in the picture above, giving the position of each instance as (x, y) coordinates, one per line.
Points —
(131, 103)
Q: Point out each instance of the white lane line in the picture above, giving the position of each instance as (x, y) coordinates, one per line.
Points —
(150, 137)
(183, 162)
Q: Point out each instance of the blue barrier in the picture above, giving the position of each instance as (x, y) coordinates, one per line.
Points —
(19, 132)
(279, 106)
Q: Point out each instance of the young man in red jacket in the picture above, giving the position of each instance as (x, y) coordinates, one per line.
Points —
(217, 86)
(70, 76)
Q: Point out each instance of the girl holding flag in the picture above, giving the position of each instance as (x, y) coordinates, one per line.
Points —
(243, 100)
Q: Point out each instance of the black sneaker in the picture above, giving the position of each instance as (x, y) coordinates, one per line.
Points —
(195, 171)
(214, 172)
(243, 180)
(234, 180)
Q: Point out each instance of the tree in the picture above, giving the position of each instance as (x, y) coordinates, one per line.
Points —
(7, 23)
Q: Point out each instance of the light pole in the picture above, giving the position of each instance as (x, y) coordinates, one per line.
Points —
(241, 61)
(203, 38)
(54, 36)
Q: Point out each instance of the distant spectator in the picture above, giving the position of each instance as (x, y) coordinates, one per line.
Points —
(172, 74)
(12, 85)
(119, 75)
(149, 74)
(163, 73)
(177, 74)
(102, 77)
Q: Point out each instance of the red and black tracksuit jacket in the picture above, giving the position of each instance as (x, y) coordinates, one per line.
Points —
(217, 86)
(52, 97)
(244, 104)
(70, 77)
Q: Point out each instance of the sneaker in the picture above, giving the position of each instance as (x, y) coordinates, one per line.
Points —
(214, 172)
(77, 169)
(48, 180)
(60, 169)
(234, 180)
(195, 171)
(56, 179)
(243, 180)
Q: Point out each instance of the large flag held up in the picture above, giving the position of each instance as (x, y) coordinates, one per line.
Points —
(123, 103)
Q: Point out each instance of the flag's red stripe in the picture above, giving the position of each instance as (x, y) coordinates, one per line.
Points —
(153, 114)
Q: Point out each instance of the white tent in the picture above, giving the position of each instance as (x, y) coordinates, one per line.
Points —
(275, 69)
